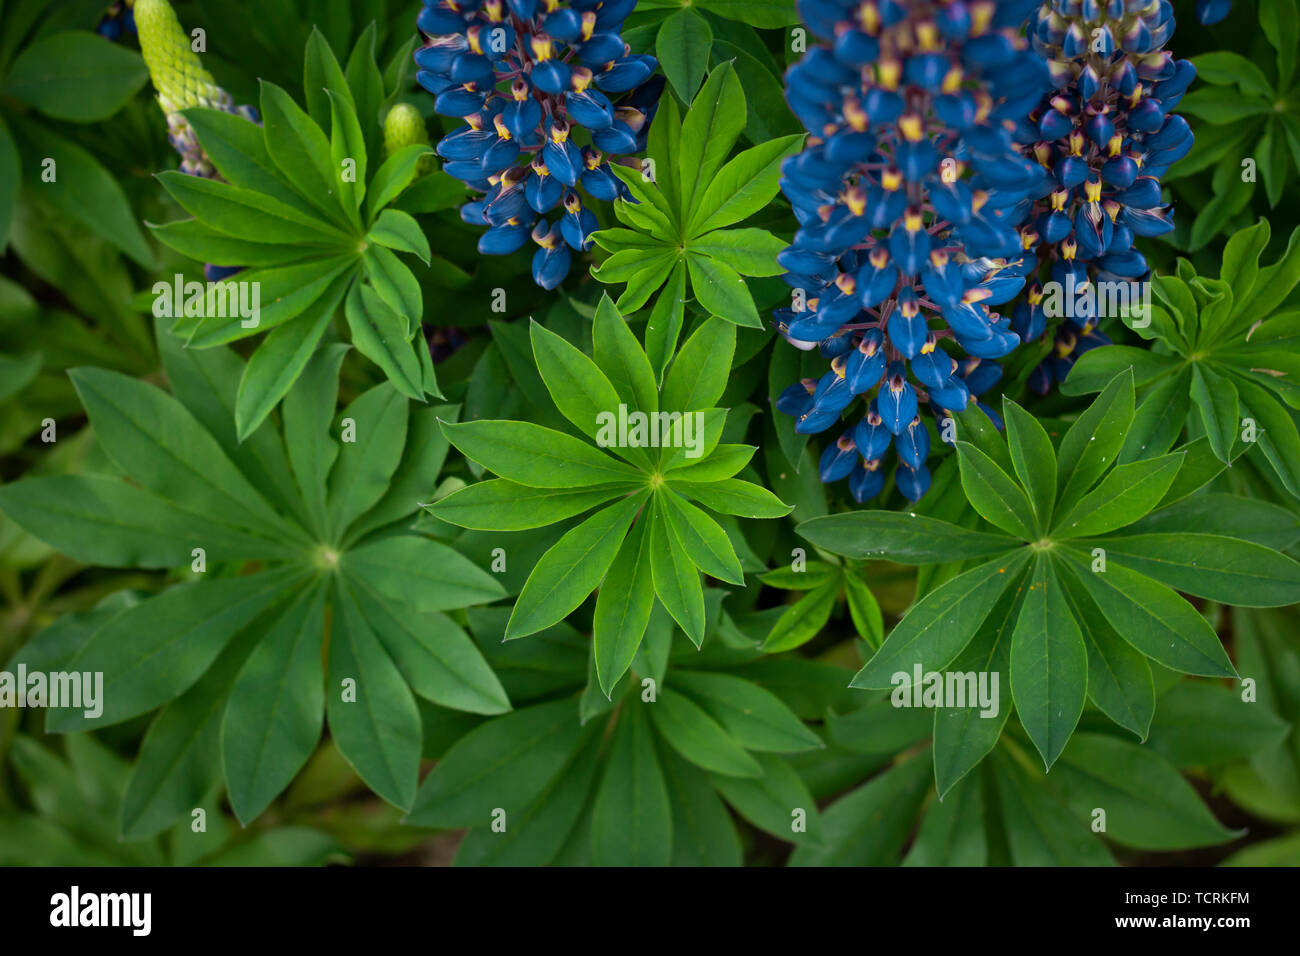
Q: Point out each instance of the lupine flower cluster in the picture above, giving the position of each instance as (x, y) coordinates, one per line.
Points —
(529, 77)
(908, 197)
(182, 82)
(1106, 135)
(118, 21)
(1212, 11)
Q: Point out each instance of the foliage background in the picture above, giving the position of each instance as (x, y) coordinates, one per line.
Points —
(1216, 783)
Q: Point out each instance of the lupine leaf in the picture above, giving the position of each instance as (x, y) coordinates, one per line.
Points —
(992, 493)
(377, 726)
(1049, 663)
(535, 456)
(631, 821)
(273, 719)
(941, 624)
(572, 568)
(1154, 619)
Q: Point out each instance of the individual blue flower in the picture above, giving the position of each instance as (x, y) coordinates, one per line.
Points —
(526, 76)
(909, 196)
(1212, 11)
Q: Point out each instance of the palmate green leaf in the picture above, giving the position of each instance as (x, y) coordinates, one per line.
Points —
(302, 152)
(766, 14)
(1049, 663)
(207, 383)
(631, 820)
(1240, 728)
(676, 580)
(202, 243)
(237, 148)
(682, 48)
(1152, 618)
(742, 187)
(109, 522)
(364, 465)
(962, 735)
(535, 456)
(75, 75)
(572, 568)
(699, 372)
(1210, 566)
(1148, 804)
(381, 335)
(377, 725)
(755, 718)
(616, 349)
(864, 610)
(1040, 830)
(709, 130)
(1091, 444)
(869, 825)
(952, 831)
(731, 496)
(1224, 68)
(1216, 401)
(159, 444)
(84, 191)
(507, 762)
(750, 252)
(713, 468)
(699, 738)
(1119, 677)
(420, 573)
(1278, 436)
(1097, 368)
(772, 802)
(1230, 516)
(803, 620)
(501, 505)
(289, 291)
(579, 388)
(347, 145)
(536, 835)
(941, 624)
(721, 290)
(992, 493)
(665, 322)
(244, 213)
(1034, 460)
(1126, 494)
(703, 831)
(392, 178)
(276, 364)
(307, 411)
(395, 284)
(397, 230)
(905, 538)
(623, 605)
(438, 659)
(367, 84)
(154, 651)
(704, 541)
(323, 78)
(179, 761)
(276, 708)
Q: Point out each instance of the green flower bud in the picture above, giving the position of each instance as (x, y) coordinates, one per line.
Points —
(404, 126)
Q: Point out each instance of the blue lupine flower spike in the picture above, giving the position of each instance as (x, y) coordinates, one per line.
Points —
(909, 194)
(1104, 137)
(525, 76)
